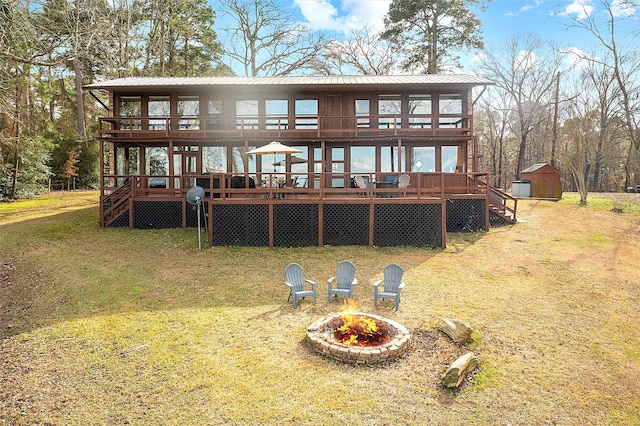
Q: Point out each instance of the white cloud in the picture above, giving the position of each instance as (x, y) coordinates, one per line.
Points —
(581, 9)
(528, 7)
(577, 58)
(623, 8)
(342, 15)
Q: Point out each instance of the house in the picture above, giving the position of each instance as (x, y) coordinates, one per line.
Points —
(545, 180)
(380, 160)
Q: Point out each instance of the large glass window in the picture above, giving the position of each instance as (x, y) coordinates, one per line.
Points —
(389, 159)
(306, 114)
(238, 154)
(424, 159)
(362, 113)
(363, 159)
(420, 111)
(214, 112)
(450, 105)
(450, 159)
(247, 114)
(159, 106)
(189, 110)
(389, 110)
(300, 165)
(130, 106)
(214, 159)
(276, 111)
(157, 164)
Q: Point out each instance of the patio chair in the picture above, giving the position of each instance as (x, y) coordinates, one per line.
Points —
(344, 280)
(296, 283)
(403, 182)
(273, 182)
(360, 183)
(392, 284)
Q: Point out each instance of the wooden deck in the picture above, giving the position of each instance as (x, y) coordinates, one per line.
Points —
(271, 214)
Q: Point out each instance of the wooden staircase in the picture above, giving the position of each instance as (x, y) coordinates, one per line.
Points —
(502, 204)
(116, 204)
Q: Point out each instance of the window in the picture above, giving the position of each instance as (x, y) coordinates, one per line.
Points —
(363, 162)
(189, 106)
(159, 106)
(237, 160)
(337, 166)
(390, 106)
(450, 159)
(277, 111)
(157, 164)
(389, 159)
(424, 159)
(214, 112)
(214, 159)
(247, 114)
(127, 160)
(306, 114)
(362, 113)
(420, 111)
(130, 106)
(451, 106)
(363, 159)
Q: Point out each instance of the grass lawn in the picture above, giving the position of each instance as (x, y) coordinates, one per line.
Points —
(119, 326)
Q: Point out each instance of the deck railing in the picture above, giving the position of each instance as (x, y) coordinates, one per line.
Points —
(293, 127)
(296, 186)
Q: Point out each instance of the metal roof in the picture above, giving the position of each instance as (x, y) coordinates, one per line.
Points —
(536, 166)
(346, 80)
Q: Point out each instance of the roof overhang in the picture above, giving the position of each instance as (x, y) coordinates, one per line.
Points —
(363, 83)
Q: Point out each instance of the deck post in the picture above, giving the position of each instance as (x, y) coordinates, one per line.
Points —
(271, 223)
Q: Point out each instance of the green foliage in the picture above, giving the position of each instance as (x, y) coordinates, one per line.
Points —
(33, 171)
(181, 41)
(429, 32)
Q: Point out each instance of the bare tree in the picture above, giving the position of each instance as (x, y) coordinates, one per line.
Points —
(363, 52)
(624, 67)
(264, 39)
(492, 125)
(524, 70)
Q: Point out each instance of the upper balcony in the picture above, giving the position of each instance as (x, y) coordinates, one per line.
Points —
(308, 127)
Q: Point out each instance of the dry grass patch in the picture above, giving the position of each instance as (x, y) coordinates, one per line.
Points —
(116, 326)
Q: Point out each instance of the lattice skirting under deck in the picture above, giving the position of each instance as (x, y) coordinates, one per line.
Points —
(297, 225)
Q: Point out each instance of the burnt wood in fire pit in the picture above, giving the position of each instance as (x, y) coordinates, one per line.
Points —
(393, 341)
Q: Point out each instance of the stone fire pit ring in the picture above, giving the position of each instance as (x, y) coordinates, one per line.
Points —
(320, 337)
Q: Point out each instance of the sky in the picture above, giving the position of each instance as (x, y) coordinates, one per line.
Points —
(502, 20)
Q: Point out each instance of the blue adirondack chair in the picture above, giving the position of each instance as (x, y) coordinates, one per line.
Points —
(392, 284)
(296, 283)
(345, 280)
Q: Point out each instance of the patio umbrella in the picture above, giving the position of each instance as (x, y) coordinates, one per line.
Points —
(294, 160)
(274, 147)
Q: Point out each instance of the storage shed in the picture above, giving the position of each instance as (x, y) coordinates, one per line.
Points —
(545, 180)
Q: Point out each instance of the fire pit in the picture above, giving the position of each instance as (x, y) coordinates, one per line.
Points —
(358, 338)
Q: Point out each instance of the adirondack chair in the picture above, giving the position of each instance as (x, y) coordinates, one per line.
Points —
(296, 283)
(361, 184)
(344, 280)
(403, 182)
(392, 284)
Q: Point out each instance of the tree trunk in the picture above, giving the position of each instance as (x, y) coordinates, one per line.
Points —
(77, 69)
(16, 161)
(520, 160)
